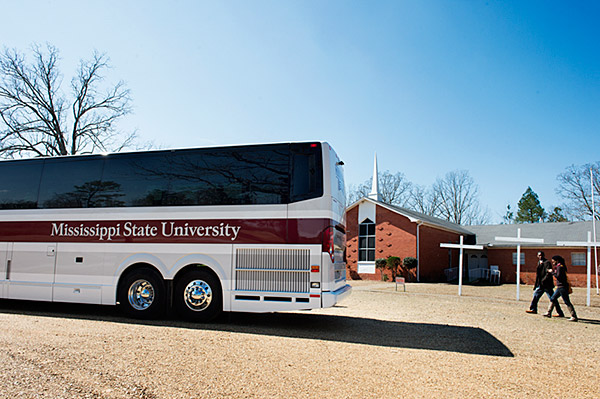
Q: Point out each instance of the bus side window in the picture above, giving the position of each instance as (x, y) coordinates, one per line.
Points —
(71, 183)
(240, 176)
(20, 184)
(137, 180)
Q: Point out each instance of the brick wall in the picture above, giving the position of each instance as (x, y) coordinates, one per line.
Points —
(395, 235)
(352, 244)
(433, 259)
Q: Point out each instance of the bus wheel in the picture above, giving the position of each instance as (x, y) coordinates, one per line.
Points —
(142, 294)
(198, 296)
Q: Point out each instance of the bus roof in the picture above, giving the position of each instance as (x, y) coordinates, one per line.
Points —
(165, 150)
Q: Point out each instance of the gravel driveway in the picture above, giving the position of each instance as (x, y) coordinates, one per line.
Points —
(426, 342)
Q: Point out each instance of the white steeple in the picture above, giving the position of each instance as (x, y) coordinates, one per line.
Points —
(374, 194)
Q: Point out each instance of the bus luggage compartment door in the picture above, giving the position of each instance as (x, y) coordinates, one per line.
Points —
(31, 274)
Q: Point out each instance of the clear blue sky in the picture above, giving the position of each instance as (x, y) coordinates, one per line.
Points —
(509, 91)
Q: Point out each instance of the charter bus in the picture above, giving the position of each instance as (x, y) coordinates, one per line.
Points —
(252, 228)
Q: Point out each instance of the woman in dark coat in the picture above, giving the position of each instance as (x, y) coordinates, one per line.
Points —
(559, 271)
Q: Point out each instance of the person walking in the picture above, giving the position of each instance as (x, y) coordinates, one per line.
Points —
(544, 284)
(559, 271)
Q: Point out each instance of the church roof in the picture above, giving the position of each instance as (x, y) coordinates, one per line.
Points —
(417, 217)
(550, 232)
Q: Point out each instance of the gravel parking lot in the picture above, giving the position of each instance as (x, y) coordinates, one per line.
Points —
(425, 342)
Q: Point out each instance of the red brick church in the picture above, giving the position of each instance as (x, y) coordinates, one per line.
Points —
(378, 230)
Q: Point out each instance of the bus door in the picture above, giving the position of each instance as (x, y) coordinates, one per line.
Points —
(31, 272)
(4, 260)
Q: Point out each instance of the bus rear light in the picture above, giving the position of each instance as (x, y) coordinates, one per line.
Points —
(315, 295)
(328, 242)
(315, 284)
(315, 269)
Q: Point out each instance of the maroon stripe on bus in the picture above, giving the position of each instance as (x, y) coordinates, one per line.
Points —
(221, 231)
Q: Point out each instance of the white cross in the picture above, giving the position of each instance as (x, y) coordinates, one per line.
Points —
(589, 244)
(461, 246)
(520, 240)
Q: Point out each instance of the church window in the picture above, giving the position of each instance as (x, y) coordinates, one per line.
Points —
(366, 241)
(514, 258)
(578, 259)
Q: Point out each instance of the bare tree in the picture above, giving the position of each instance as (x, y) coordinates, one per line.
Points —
(357, 192)
(481, 216)
(458, 194)
(394, 189)
(454, 198)
(575, 186)
(38, 119)
(423, 200)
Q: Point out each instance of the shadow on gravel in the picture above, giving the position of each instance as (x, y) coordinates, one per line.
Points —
(393, 334)
(589, 321)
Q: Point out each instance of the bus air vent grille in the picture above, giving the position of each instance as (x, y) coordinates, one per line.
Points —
(272, 270)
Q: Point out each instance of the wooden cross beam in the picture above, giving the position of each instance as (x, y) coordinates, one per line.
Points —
(520, 240)
(462, 247)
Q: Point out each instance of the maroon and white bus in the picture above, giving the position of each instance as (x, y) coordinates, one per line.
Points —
(253, 228)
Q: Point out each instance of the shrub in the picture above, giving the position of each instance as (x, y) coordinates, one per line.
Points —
(393, 263)
(407, 266)
(410, 262)
(381, 265)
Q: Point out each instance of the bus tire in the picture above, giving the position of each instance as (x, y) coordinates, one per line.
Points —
(142, 294)
(198, 296)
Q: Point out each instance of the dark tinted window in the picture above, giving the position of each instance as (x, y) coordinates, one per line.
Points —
(229, 176)
(19, 184)
(307, 172)
(72, 183)
(219, 176)
(362, 229)
(366, 228)
(138, 179)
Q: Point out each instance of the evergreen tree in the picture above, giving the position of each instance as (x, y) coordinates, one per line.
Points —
(557, 215)
(530, 210)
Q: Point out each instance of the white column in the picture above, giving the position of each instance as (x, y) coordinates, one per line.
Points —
(518, 265)
(594, 228)
(589, 268)
(460, 267)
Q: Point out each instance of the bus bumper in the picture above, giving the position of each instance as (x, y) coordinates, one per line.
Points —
(331, 298)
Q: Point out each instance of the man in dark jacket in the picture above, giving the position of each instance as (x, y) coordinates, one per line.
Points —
(544, 283)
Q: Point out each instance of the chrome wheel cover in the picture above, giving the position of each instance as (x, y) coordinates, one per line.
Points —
(141, 295)
(197, 295)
